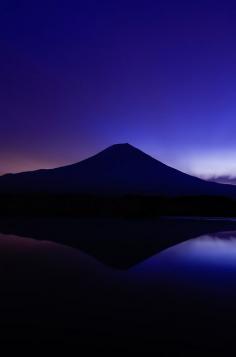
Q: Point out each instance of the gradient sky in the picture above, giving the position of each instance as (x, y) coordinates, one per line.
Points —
(77, 76)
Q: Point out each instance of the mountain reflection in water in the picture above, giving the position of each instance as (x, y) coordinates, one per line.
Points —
(171, 295)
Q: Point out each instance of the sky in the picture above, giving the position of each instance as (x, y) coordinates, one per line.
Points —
(78, 76)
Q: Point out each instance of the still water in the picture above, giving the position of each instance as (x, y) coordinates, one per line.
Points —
(184, 294)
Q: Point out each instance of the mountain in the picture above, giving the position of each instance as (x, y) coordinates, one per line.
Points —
(119, 169)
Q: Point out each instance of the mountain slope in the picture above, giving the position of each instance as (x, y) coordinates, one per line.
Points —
(119, 169)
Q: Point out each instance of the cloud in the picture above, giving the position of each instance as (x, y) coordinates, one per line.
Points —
(225, 179)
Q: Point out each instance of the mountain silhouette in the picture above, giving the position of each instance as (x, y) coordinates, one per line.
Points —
(120, 169)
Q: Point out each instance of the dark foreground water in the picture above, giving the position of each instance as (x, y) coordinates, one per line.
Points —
(142, 287)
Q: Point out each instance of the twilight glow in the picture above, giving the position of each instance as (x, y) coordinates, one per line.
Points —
(78, 76)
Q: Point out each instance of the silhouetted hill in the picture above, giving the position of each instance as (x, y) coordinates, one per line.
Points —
(118, 170)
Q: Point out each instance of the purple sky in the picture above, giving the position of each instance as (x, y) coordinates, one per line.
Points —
(77, 76)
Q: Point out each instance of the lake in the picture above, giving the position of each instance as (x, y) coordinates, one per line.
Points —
(166, 282)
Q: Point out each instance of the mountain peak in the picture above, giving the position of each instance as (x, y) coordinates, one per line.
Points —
(121, 145)
(119, 149)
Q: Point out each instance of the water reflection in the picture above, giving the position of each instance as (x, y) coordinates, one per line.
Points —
(203, 261)
(205, 266)
(165, 293)
(217, 249)
(120, 244)
(26, 259)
